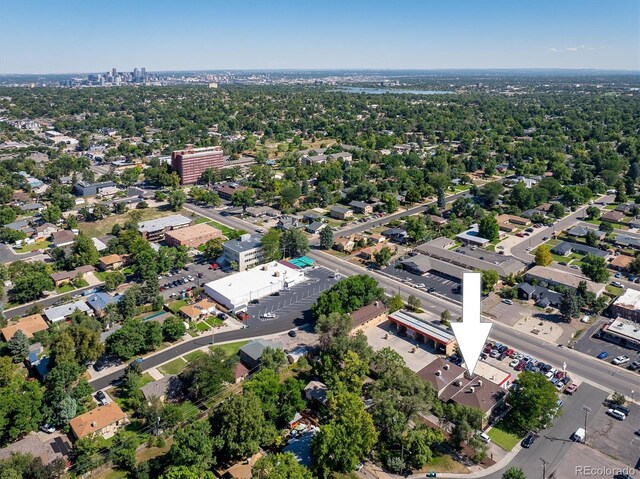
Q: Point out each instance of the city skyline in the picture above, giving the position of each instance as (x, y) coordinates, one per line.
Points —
(284, 35)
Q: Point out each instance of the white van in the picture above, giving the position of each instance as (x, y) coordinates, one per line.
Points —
(484, 437)
(620, 416)
(579, 435)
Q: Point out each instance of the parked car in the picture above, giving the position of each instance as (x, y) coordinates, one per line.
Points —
(507, 301)
(102, 398)
(571, 388)
(214, 266)
(243, 315)
(620, 416)
(624, 410)
(514, 363)
(617, 284)
(49, 429)
(292, 333)
(634, 366)
(603, 355)
(621, 360)
(528, 441)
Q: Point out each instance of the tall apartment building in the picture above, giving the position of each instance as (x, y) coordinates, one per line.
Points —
(191, 162)
(246, 251)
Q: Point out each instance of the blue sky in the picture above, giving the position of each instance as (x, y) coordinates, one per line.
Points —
(59, 36)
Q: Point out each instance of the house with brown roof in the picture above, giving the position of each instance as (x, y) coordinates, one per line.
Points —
(371, 314)
(28, 325)
(102, 421)
(111, 262)
(369, 252)
(344, 244)
(476, 392)
(46, 447)
(437, 220)
(340, 212)
(240, 372)
(202, 308)
(43, 231)
(440, 373)
(612, 216)
(513, 219)
(621, 262)
(192, 236)
(241, 469)
(62, 238)
(377, 238)
(63, 277)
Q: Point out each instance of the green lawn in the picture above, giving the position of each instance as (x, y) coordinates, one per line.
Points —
(65, 288)
(202, 219)
(176, 305)
(202, 326)
(32, 247)
(146, 379)
(614, 290)
(214, 322)
(174, 367)
(224, 228)
(504, 439)
(193, 355)
(232, 348)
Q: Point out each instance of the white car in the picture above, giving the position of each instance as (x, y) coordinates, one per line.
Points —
(514, 363)
(420, 285)
(507, 301)
(617, 284)
(621, 360)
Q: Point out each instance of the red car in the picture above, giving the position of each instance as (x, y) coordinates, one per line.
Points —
(242, 316)
(214, 266)
(488, 347)
(520, 366)
(571, 388)
(509, 352)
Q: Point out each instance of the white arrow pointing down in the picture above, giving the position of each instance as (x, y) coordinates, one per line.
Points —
(471, 334)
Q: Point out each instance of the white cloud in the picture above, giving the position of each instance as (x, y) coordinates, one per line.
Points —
(571, 49)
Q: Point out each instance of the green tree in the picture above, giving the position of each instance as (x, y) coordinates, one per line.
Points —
(346, 438)
(531, 402)
(243, 198)
(83, 251)
(30, 286)
(348, 295)
(488, 228)
(591, 238)
(394, 303)
(593, 213)
(294, 243)
(86, 454)
(192, 446)
(186, 472)
(490, 278)
(414, 303)
(177, 199)
(239, 428)
(7, 215)
(173, 329)
(280, 466)
(18, 346)
(123, 450)
(113, 279)
(326, 238)
(569, 304)
(543, 256)
(514, 473)
(271, 246)
(606, 227)
(445, 317)
(205, 375)
(273, 358)
(595, 268)
(213, 248)
(383, 256)
(52, 214)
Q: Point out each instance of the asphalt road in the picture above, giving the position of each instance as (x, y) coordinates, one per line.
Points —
(554, 443)
(23, 310)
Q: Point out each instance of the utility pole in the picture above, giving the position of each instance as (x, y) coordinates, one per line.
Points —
(586, 410)
(544, 468)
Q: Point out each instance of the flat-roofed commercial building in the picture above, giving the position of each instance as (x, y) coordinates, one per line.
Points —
(154, 230)
(246, 251)
(192, 236)
(236, 291)
(191, 162)
(627, 306)
(622, 331)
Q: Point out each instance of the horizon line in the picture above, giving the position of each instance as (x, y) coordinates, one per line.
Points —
(347, 69)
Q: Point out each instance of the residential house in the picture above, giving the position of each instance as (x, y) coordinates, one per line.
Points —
(472, 237)
(315, 227)
(63, 277)
(396, 234)
(226, 191)
(62, 238)
(437, 220)
(344, 244)
(29, 325)
(166, 389)
(31, 208)
(201, 309)
(251, 353)
(612, 216)
(311, 217)
(19, 225)
(581, 231)
(513, 219)
(361, 207)
(240, 470)
(551, 276)
(565, 248)
(377, 238)
(99, 301)
(102, 421)
(286, 223)
(111, 262)
(621, 262)
(316, 391)
(154, 230)
(543, 297)
(625, 241)
(340, 212)
(55, 314)
(43, 231)
(240, 372)
(46, 447)
(369, 252)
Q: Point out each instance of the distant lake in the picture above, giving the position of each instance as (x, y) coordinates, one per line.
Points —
(381, 91)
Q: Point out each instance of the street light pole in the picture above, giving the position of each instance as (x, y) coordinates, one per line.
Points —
(544, 468)
(586, 410)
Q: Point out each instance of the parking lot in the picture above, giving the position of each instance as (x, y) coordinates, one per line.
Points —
(193, 270)
(444, 287)
(614, 437)
(295, 303)
(593, 346)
